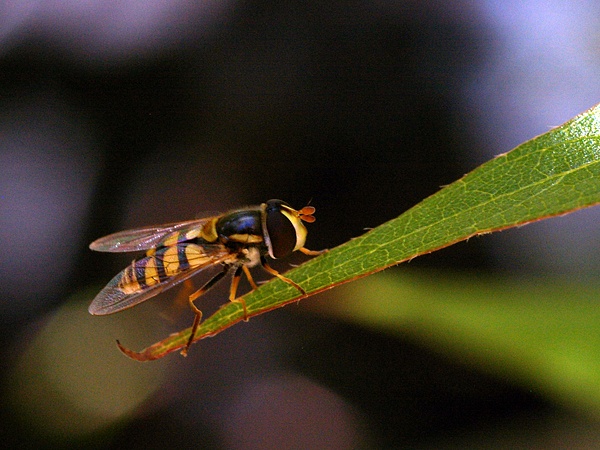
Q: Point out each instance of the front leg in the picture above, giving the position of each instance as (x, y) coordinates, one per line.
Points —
(263, 262)
(234, 285)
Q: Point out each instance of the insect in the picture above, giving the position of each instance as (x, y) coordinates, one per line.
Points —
(236, 241)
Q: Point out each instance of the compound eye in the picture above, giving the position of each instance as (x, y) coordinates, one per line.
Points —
(281, 231)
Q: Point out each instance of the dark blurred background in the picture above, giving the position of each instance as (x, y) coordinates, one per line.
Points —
(115, 115)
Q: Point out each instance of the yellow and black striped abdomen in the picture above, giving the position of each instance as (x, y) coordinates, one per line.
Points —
(162, 264)
(160, 269)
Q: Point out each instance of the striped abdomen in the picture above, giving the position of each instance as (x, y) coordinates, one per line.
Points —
(161, 264)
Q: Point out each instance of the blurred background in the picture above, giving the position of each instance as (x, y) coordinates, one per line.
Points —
(121, 114)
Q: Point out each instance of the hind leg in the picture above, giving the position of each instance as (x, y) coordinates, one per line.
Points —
(193, 297)
(273, 272)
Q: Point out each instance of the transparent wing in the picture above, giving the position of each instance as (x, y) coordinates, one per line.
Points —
(148, 276)
(149, 237)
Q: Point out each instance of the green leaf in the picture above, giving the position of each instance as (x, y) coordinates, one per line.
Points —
(552, 174)
(542, 334)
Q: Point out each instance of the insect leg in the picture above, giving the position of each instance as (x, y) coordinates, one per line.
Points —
(193, 297)
(249, 277)
(273, 272)
(312, 252)
(233, 290)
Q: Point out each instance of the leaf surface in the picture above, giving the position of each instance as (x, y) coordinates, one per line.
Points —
(542, 334)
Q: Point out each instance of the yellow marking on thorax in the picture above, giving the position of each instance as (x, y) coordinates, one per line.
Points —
(209, 230)
(246, 238)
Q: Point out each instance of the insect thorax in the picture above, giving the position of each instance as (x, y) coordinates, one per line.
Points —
(240, 229)
(252, 256)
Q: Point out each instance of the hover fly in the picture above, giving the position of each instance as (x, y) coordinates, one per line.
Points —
(236, 241)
